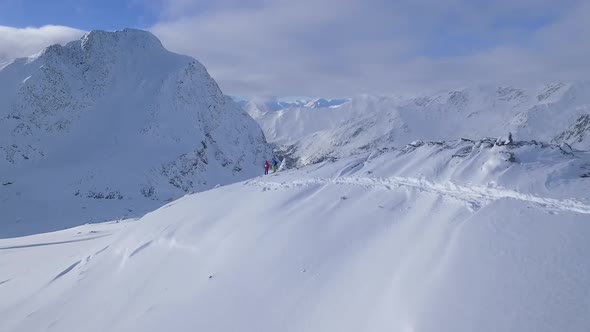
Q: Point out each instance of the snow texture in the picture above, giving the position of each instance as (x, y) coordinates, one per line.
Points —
(556, 113)
(457, 236)
(456, 212)
(111, 126)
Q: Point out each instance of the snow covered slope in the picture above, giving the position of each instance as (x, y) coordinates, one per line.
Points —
(257, 107)
(113, 125)
(447, 236)
(554, 113)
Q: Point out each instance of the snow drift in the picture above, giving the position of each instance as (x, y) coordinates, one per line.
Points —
(113, 125)
(434, 236)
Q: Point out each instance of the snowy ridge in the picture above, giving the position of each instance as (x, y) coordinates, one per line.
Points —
(110, 126)
(463, 169)
(383, 243)
(553, 113)
(474, 196)
(323, 103)
(258, 107)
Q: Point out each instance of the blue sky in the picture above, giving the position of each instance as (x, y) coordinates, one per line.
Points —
(332, 47)
(84, 14)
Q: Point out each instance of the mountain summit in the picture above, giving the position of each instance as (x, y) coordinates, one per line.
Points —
(112, 125)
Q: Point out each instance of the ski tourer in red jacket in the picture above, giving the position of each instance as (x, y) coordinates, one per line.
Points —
(266, 167)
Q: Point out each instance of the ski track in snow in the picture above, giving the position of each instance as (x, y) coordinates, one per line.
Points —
(474, 196)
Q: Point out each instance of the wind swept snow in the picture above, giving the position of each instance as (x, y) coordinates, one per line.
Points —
(490, 240)
(476, 196)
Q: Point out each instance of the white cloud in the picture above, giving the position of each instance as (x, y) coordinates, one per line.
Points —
(21, 42)
(345, 47)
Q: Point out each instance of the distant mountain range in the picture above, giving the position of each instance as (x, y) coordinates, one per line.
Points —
(553, 113)
(274, 104)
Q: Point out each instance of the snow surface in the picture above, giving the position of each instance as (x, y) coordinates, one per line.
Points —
(114, 125)
(552, 113)
(467, 210)
(433, 236)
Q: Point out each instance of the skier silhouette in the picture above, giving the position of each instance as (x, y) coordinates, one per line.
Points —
(274, 165)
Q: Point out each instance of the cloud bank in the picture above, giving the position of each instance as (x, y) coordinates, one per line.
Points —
(347, 47)
(20, 42)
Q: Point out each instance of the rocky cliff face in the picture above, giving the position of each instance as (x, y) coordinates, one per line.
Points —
(110, 121)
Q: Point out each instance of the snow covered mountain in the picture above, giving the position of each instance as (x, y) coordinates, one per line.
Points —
(113, 125)
(323, 103)
(554, 113)
(258, 107)
(455, 236)
(271, 105)
(406, 214)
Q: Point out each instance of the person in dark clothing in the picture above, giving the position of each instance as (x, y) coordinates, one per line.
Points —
(275, 164)
(266, 167)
